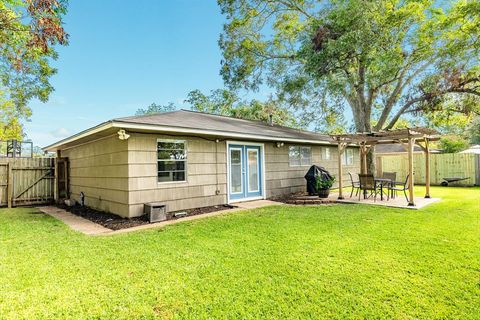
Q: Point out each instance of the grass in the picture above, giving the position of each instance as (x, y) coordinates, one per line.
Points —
(340, 261)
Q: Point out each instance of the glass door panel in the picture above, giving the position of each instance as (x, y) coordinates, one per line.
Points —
(253, 168)
(236, 169)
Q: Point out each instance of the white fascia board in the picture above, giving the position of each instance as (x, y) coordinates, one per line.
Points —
(190, 131)
(227, 134)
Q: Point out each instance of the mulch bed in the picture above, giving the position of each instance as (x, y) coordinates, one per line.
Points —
(303, 198)
(114, 222)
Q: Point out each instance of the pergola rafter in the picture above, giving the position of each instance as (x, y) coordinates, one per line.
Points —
(407, 137)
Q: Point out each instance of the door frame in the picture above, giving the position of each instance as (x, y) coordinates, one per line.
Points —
(262, 182)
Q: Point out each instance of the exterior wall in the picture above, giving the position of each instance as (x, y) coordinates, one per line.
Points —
(120, 176)
(99, 169)
(206, 173)
(281, 178)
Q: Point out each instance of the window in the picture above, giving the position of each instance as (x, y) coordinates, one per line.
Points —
(347, 159)
(299, 156)
(326, 154)
(171, 160)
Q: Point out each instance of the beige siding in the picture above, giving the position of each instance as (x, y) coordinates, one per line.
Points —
(99, 169)
(206, 173)
(281, 178)
(120, 176)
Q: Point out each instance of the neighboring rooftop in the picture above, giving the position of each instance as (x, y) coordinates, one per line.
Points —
(185, 122)
(475, 149)
(398, 148)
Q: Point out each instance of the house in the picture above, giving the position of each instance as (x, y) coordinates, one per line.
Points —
(189, 159)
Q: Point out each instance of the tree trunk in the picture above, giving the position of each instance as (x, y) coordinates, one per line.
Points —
(363, 124)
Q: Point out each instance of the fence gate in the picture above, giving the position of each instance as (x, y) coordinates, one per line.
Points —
(27, 181)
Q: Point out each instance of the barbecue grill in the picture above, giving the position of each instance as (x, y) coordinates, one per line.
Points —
(311, 177)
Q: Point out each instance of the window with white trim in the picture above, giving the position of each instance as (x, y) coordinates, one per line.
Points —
(326, 155)
(171, 161)
(347, 159)
(299, 156)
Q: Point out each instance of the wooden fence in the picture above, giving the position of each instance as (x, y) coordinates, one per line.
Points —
(27, 181)
(441, 166)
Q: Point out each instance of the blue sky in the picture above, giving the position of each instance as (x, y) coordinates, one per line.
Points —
(122, 58)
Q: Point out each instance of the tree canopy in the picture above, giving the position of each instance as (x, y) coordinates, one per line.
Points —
(29, 30)
(156, 108)
(384, 60)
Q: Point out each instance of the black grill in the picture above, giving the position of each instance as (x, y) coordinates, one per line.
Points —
(311, 177)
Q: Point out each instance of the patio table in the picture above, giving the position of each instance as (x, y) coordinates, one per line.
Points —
(382, 182)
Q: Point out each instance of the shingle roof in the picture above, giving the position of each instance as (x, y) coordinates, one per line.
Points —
(205, 121)
(196, 123)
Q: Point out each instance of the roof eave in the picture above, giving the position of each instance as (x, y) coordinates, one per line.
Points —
(161, 128)
(83, 134)
(227, 134)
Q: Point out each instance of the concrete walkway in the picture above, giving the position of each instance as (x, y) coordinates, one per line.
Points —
(90, 228)
(75, 222)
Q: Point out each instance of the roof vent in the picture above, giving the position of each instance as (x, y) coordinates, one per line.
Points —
(270, 119)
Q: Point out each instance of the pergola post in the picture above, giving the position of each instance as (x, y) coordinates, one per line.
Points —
(427, 169)
(363, 154)
(411, 144)
(341, 149)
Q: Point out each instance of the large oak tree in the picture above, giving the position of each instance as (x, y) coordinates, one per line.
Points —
(384, 60)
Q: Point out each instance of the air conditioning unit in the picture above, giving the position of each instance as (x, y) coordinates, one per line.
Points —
(155, 211)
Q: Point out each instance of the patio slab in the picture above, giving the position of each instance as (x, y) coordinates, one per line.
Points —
(397, 202)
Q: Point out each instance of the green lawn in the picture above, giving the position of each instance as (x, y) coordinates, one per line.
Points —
(339, 261)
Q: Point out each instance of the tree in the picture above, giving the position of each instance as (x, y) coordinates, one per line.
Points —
(29, 30)
(228, 103)
(383, 59)
(453, 144)
(473, 131)
(156, 108)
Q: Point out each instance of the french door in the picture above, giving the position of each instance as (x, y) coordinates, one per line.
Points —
(245, 171)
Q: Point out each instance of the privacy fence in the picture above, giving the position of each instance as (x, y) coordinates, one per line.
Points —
(442, 166)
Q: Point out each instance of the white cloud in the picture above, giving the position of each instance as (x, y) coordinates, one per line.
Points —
(60, 133)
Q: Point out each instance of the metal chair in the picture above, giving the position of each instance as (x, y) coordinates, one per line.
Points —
(355, 183)
(404, 187)
(393, 177)
(367, 183)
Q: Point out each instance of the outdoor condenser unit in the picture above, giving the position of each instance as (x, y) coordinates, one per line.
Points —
(155, 211)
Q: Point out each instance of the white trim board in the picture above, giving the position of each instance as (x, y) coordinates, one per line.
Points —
(179, 130)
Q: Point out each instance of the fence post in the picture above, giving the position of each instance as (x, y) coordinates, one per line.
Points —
(9, 184)
(55, 180)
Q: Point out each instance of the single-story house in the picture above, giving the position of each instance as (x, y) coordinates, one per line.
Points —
(188, 159)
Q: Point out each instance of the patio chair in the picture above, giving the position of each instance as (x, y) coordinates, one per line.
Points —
(393, 177)
(367, 183)
(355, 183)
(403, 187)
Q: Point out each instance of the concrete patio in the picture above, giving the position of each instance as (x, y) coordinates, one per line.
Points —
(397, 202)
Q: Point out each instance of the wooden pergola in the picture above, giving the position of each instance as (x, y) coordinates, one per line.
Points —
(408, 138)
